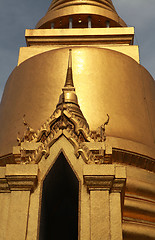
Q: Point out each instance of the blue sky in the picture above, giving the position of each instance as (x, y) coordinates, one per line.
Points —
(17, 15)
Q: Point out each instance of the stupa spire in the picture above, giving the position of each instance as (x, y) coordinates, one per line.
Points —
(68, 91)
(69, 77)
(68, 98)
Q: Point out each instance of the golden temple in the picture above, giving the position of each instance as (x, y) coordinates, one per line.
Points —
(77, 138)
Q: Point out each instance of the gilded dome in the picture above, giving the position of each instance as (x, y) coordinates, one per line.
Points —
(106, 82)
(100, 12)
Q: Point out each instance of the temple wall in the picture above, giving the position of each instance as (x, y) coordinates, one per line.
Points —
(99, 194)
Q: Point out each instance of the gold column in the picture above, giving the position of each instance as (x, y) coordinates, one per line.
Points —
(116, 203)
(105, 184)
(100, 219)
(115, 216)
(21, 180)
(4, 203)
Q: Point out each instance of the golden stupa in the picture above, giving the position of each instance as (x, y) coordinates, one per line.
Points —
(78, 105)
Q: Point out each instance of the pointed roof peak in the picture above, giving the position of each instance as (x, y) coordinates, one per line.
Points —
(68, 91)
(69, 77)
(70, 59)
(68, 98)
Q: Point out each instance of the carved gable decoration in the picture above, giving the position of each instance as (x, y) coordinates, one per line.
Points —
(66, 120)
(62, 122)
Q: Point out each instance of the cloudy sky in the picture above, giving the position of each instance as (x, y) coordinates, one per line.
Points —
(17, 15)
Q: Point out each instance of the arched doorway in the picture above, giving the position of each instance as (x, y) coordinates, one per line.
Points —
(59, 208)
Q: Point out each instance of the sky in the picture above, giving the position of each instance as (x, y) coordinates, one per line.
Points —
(18, 15)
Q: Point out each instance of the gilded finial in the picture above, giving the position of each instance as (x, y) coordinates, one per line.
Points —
(69, 77)
(68, 98)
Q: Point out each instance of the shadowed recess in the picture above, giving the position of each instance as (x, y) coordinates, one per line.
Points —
(59, 209)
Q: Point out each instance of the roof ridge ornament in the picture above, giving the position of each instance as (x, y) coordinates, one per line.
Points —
(36, 145)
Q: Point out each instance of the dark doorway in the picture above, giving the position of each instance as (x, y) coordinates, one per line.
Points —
(59, 208)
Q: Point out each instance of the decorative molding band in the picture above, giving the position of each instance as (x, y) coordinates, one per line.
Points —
(118, 185)
(108, 178)
(4, 187)
(98, 183)
(21, 177)
(21, 183)
(133, 159)
(138, 229)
